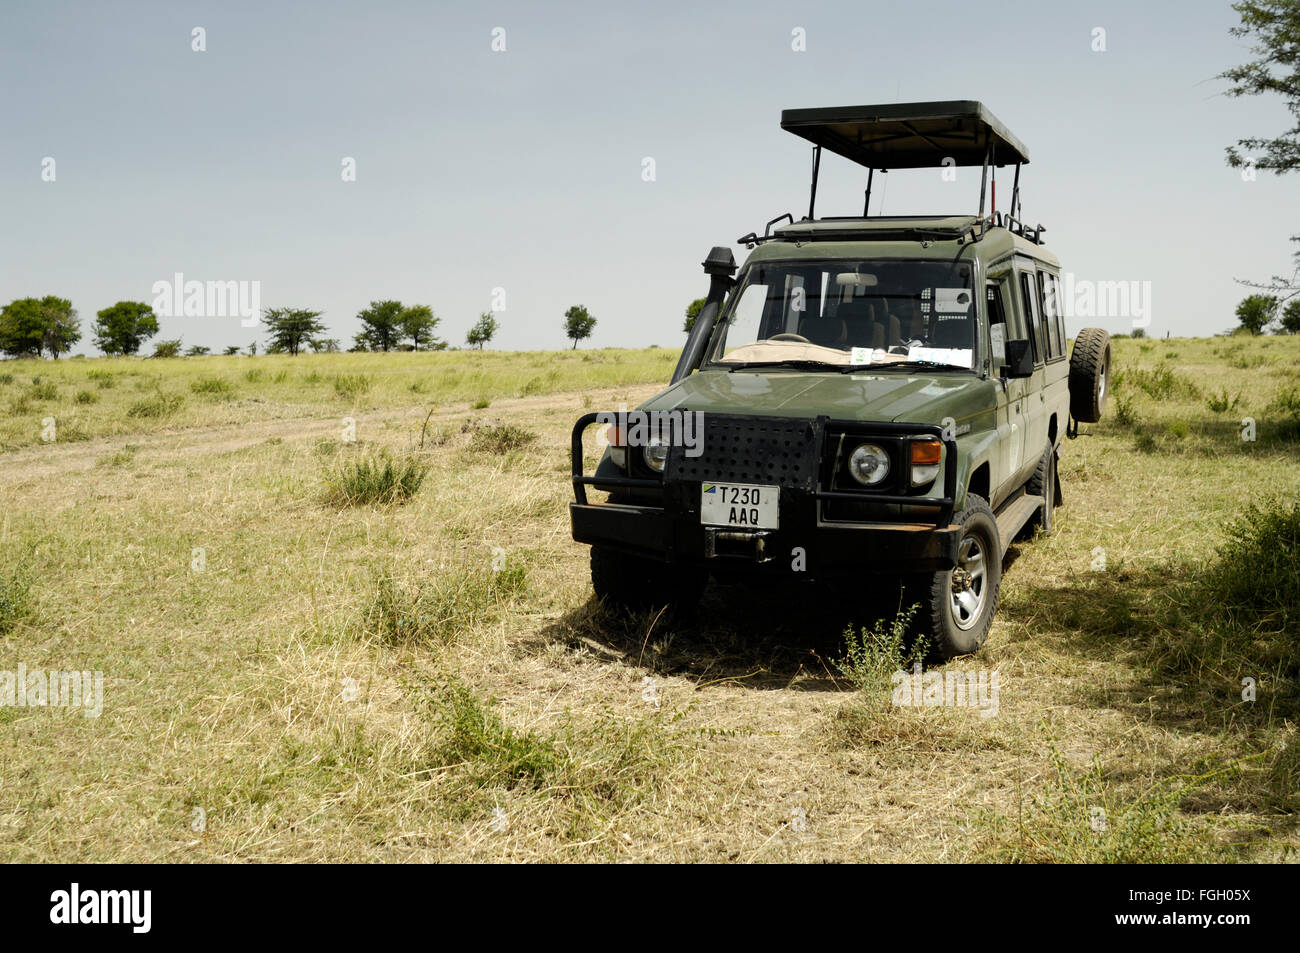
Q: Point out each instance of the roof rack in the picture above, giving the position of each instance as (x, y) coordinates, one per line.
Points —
(911, 136)
(922, 228)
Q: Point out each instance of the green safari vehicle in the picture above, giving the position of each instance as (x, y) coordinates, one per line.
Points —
(871, 396)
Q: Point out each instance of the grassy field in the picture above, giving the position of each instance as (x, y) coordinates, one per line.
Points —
(386, 649)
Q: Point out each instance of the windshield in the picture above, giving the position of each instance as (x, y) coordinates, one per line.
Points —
(850, 312)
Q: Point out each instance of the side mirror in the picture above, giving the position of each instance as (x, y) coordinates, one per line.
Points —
(1020, 359)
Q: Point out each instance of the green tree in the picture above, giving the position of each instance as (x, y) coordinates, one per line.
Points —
(578, 324)
(1289, 322)
(292, 328)
(692, 312)
(170, 348)
(231, 349)
(381, 326)
(252, 349)
(417, 323)
(481, 333)
(197, 350)
(1256, 311)
(1273, 26)
(38, 325)
(324, 345)
(124, 327)
(20, 327)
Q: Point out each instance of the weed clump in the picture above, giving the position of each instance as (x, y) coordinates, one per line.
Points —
(376, 479)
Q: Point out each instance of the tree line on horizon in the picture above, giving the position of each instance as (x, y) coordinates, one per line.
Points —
(35, 327)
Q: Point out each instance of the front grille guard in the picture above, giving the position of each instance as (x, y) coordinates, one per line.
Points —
(857, 427)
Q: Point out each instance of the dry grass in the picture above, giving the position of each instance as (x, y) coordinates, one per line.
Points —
(280, 704)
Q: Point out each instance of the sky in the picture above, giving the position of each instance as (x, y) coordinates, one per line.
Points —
(523, 169)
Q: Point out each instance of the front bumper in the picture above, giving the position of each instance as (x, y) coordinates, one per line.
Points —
(664, 523)
(827, 550)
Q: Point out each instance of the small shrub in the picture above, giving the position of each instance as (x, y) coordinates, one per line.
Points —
(1246, 362)
(1222, 403)
(444, 607)
(481, 404)
(1178, 429)
(253, 375)
(159, 405)
(280, 376)
(351, 386)
(43, 391)
(1124, 414)
(313, 378)
(85, 397)
(1162, 383)
(6, 378)
(872, 656)
(377, 479)
(501, 438)
(211, 385)
(15, 597)
(492, 753)
(1254, 575)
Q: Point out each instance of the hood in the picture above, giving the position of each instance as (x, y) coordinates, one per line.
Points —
(907, 396)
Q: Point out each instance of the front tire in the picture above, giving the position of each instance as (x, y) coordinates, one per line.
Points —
(628, 583)
(959, 603)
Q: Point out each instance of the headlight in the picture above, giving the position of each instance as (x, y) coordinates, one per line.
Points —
(869, 464)
(656, 455)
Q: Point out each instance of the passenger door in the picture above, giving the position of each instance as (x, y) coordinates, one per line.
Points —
(1010, 419)
(1032, 402)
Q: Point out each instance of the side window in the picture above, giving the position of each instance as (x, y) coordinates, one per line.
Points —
(1027, 304)
(1058, 316)
(1047, 315)
(997, 320)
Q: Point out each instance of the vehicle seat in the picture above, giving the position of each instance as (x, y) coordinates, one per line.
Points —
(826, 330)
(860, 323)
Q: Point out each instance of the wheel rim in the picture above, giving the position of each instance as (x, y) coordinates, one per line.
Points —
(1101, 383)
(969, 583)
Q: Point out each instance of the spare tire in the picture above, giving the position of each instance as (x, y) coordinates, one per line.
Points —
(1089, 375)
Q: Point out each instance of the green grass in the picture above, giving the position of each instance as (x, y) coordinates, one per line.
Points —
(279, 385)
(377, 479)
(211, 385)
(159, 405)
(15, 596)
(433, 611)
(1081, 817)
(352, 385)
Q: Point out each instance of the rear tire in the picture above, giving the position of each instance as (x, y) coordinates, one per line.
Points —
(958, 604)
(628, 583)
(1089, 375)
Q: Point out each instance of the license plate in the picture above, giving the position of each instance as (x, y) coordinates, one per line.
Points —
(739, 504)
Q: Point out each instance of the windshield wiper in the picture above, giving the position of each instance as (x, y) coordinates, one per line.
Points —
(885, 364)
(744, 366)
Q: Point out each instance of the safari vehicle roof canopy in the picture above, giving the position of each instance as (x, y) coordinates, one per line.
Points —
(909, 135)
(913, 136)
